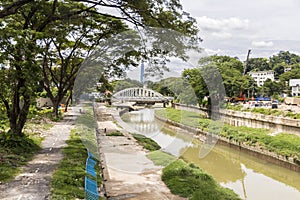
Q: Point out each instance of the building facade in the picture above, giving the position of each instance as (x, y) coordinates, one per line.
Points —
(295, 85)
(261, 76)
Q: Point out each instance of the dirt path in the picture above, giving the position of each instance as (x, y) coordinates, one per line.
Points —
(34, 181)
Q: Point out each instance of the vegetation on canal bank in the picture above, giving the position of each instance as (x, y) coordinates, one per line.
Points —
(147, 143)
(68, 180)
(116, 133)
(161, 158)
(283, 144)
(187, 180)
(265, 111)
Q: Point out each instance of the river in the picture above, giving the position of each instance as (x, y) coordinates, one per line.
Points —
(248, 176)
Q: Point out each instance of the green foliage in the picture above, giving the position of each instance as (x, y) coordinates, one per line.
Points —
(104, 85)
(85, 125)
(282, 144)
(68, 180)
(230, 69)
(15, 151)
(187, 180)
(258, 64)
(266, 111)
(116, 133)
(52, 39)
(176, 87)
(126, 83)
(161, 158)
(147, 143)
(182, 116)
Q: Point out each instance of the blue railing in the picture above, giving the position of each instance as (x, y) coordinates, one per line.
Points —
(91, 187)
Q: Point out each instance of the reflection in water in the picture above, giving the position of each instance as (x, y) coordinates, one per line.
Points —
(251, 178)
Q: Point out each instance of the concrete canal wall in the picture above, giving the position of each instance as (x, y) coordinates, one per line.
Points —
(254, 120)
(287, 162)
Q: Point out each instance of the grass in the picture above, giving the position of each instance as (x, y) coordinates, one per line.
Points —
(161, 158)
(282, 144)
(266, 111)
(85, 125)
(187, 180)
(16, 152)
(147, 143)
(116, 133)
(68, 180)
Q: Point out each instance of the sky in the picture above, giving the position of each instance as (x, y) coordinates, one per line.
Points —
(231, 27)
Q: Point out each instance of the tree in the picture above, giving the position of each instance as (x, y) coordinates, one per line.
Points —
(104, 85)
(36, 40)
(126, 83)
(271, 88)
(258, 64)
(282, 60)
(195, 78)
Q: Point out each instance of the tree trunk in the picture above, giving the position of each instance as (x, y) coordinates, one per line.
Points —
(68, 101)
(18, 119)
(55, 103)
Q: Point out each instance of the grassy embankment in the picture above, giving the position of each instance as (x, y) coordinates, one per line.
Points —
(185, 180)
(17, 151)
(283, 144)
(68, 180)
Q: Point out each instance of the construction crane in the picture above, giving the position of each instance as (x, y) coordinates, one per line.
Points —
(246, 63)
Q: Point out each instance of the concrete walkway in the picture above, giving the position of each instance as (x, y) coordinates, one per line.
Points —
(34, 181)
(128, 173)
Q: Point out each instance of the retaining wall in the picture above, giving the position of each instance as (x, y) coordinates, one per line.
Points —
(287, 162)
(254, 120)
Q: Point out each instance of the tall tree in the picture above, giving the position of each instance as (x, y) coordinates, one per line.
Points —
(42, 41)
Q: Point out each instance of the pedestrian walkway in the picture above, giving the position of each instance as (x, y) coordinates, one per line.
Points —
(34, 181)
(128, 173)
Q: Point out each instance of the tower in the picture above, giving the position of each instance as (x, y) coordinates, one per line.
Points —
(142, 73)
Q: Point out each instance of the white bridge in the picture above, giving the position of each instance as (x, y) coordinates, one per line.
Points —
(140, 96)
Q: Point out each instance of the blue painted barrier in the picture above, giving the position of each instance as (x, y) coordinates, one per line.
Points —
(91, 189)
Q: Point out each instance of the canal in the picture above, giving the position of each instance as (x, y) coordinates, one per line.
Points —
(248, 176)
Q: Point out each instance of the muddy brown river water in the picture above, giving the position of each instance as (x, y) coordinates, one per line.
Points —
(248, 176)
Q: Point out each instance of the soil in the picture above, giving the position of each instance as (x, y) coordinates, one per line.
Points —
(33, 183)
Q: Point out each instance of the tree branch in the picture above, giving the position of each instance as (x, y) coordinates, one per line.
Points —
(13, 7)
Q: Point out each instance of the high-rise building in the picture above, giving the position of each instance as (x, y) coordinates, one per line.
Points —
(142, 73)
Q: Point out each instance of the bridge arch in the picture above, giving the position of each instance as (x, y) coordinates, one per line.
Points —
(137, 92)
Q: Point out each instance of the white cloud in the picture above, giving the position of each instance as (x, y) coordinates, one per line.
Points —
(221, 35)
(214, 52)
(217, 25)
(262, 44)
